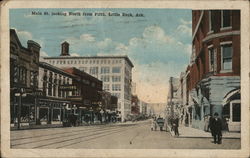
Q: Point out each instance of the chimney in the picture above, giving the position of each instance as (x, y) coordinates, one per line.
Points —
(34, 47)
(65, 49)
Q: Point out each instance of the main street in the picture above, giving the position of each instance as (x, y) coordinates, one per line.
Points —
(130, 135)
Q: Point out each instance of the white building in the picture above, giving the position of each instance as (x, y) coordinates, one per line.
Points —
(114, 71)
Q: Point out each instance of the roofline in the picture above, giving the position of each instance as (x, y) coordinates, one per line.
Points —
(49, 66)
(198, 24)
(86, 57)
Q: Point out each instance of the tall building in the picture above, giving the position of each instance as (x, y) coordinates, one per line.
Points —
(214, 78)
(114, 71)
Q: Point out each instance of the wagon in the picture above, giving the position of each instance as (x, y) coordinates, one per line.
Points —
(160, 121)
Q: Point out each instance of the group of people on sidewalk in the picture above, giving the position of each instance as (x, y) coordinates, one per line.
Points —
(213, 123)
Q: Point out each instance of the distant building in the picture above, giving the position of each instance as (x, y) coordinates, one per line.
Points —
(114, 71)
(135, 108)
(214, 70)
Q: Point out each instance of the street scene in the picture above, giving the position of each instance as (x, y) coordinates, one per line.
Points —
(117, 136)
(125, 79)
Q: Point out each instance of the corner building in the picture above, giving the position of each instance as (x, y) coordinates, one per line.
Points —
(114, 71)
(214, 70)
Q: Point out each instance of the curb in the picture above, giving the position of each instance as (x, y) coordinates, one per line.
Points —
(183, 136)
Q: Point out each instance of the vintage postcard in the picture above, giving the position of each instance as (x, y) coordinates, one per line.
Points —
(125, 79)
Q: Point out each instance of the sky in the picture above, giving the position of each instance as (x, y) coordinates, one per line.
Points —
(158, 42)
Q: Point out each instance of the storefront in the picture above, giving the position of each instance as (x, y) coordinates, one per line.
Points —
(232, 110)
(51, 111)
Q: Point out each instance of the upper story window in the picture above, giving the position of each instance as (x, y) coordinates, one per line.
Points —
(211, 20)
(116, 87)
(106, 87)
(116, 78)
(212, 59)
(93, 70)
(226, 56)
(116, 69)
(105, 78)
(226, 21)
(104, 70)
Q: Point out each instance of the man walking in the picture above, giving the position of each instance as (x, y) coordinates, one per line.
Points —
(176, 125)
(216, 127)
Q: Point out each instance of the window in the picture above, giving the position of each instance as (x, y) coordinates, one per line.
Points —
(116, 87)
(105, 78)
(225, 18)
(106, 87)
(226, 50)
(83, 69)
(59, 84)
(54, 85)
(116, 69)
(23, 75)
(211, 20)
(104, 70)
(31, 78)
(116, 78)
(118, 95)
(212, 59)
(50, 84)
(93, 70)
(236, 112)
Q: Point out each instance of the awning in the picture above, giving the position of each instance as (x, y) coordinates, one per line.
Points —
(232, 95)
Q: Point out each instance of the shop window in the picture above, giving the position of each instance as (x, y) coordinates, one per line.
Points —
(56, 114)
(236, 112)
(226, 56)
(43, 114)
(25, 111)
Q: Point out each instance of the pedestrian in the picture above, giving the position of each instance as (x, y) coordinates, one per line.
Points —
(206, 120)
(216, 127)
(176, 125)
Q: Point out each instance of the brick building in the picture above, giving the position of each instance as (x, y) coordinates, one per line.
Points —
(23, 80)
(213, 75)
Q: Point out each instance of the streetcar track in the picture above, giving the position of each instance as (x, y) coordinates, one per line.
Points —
(77, 138)
(79, 131)
(108, 130)
(88, 129)
(95, 137)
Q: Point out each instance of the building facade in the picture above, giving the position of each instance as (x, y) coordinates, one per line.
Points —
(23, 80)
(53, 104)
(114, 71)
(214, 70)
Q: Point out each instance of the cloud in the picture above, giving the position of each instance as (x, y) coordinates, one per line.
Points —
(155, 54)
(87, 37)
(43, 54)
(184, 22)
(184, 29)
(74, 54)
(24, 36)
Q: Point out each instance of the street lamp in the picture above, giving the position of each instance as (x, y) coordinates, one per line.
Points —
(20, 95)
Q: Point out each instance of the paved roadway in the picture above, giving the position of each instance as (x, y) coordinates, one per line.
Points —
(115, 136)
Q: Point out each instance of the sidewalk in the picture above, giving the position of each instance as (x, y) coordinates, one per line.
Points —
(27, 127)
(189, 132)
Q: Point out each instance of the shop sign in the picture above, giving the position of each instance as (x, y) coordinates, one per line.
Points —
(69, 87)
